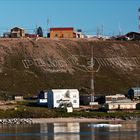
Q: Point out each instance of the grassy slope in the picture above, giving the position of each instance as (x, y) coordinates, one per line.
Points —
(16, 79)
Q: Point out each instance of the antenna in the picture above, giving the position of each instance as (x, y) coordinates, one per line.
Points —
(102, 29)
(92, 76)
(98, 31)
(120, 30)
(35, 30)
(93, 71)
(139, 19)
(48, 22)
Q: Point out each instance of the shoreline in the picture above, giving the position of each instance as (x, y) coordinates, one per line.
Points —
(71, 119)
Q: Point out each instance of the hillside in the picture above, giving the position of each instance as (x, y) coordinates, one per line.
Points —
(27, 65)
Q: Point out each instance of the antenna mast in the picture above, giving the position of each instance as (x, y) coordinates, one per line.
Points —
(120, 30)
(48, 22)
(92, 75)
(93, 71)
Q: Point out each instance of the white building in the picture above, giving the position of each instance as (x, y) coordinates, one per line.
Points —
(63, 98)
(135, 92)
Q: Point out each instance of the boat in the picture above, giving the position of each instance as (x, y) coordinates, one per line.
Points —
(105, 125)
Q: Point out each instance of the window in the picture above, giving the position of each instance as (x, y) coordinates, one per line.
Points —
(74, 101)
(62, 36)
(114, 99)
(57, 96)
(74, 96)
(58, 101)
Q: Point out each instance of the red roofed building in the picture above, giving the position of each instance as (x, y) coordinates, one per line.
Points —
(62, 33)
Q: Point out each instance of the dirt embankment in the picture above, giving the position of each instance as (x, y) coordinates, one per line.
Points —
(28, 65)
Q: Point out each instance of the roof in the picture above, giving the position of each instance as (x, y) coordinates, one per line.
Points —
(64, 90)
(116, 95)
(136, 33)
(17, 28)
(62, 29)
(125, 101)
(136, 88)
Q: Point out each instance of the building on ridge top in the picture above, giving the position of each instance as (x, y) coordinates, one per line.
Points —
(65, 32)
(17, 32)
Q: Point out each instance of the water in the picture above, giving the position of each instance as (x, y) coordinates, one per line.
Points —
(130, 130)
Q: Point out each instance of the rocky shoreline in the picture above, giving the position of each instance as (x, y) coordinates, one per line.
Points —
(16, 121)
(60, 120)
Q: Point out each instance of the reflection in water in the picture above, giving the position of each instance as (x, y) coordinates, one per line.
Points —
(70, 131)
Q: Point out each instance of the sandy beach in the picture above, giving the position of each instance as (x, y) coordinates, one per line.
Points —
(62, 120)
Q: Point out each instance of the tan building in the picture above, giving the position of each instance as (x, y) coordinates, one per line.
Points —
(64, 33)
(17, 32)
(114, 98)
(120, 105)
(18, 98)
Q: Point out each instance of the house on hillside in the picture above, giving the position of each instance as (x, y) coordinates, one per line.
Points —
(62, 98)
(17, 32)
(67, 32)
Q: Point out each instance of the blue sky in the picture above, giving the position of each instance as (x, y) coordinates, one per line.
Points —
(110, 16)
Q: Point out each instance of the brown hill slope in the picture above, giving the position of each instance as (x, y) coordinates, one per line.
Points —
(28, 65)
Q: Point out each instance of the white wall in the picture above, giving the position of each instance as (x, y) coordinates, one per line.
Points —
(71, 95)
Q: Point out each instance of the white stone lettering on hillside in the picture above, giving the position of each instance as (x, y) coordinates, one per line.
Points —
(82, 63)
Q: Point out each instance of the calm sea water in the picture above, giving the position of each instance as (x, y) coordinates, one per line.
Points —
(130, 130)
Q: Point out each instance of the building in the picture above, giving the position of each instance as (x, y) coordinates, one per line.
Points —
(6, 34)
(17, 32)
(134, 93)
(133, 36)
(31, 35)
(85, 99)
(68, 32)
(120, 105)
(42, 98)
(62, 98)
(78, 34)
(114, 98)
(18, 98)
